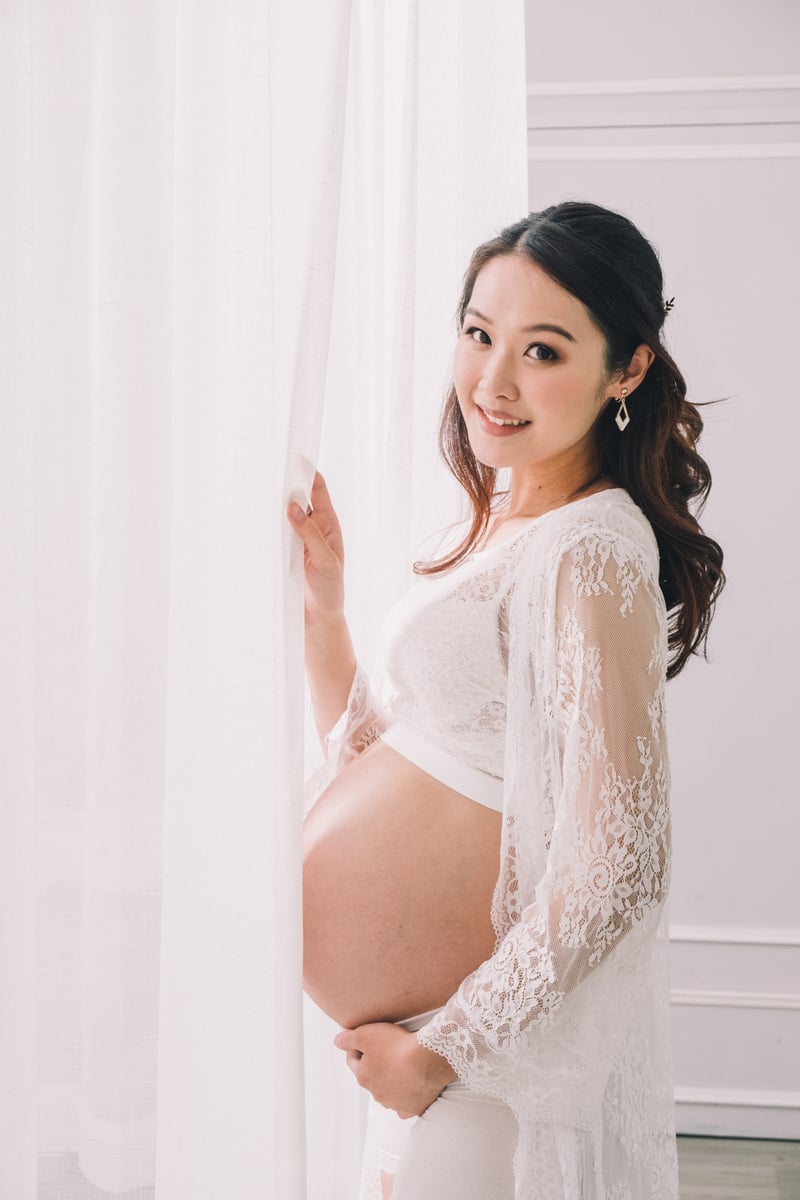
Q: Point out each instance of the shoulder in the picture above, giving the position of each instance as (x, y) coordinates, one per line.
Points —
(607, 525)
(600, 550)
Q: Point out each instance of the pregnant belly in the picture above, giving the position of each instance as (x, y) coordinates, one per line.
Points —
(398, 876)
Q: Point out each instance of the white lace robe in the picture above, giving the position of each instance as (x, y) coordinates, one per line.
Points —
(568, 1021)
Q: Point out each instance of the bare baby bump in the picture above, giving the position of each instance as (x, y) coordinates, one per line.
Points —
(398, 877)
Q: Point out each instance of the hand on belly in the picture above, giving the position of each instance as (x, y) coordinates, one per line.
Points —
(398, 876)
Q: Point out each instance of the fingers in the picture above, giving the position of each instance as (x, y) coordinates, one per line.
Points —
(296, 516)
(322, 504)
(319, 488)
(346, 1040)
(319, 496)
(307, 529)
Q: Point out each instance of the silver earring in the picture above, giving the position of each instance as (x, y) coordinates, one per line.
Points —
(623, 417)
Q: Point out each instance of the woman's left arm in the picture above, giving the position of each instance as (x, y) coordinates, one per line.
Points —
(607, 863)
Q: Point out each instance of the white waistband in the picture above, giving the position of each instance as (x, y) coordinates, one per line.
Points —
(412, 1024)
(473, 783)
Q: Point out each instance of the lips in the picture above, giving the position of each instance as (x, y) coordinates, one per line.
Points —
(498, 423)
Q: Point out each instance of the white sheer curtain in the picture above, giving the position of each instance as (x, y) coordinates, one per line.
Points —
(435, 162)
(190, 193)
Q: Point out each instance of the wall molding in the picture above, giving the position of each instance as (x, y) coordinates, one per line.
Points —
(703, 998)
(698, 118)
(643, 87)
(736, 1044)
(644, 151)
(742, 945)
(738, 935)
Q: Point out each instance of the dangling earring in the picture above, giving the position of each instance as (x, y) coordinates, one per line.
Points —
(623, 417)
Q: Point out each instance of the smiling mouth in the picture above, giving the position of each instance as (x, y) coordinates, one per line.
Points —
(500, 420)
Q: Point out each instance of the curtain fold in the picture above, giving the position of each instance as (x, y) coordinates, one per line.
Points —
(435, 162)
(219, 223)
(249, 358)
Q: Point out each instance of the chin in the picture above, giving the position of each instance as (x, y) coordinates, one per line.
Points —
(495, 456)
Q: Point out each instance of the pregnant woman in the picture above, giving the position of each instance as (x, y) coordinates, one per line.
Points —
(487, 858)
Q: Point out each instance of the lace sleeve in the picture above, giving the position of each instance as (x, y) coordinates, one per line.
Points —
(361, 723)
(598, 769)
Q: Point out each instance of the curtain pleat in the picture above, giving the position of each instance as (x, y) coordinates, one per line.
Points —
(435, 162)
(18, 1032)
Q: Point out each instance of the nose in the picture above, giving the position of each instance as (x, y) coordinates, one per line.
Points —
(498, 381)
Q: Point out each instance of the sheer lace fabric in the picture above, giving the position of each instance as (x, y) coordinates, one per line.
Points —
(568, 1021)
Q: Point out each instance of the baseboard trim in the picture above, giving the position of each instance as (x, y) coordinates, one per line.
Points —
(729, 1112)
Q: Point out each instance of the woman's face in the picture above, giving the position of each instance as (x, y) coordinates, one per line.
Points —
(528, 351)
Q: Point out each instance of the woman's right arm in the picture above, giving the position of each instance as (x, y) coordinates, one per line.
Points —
(330, 669)
(331, 665)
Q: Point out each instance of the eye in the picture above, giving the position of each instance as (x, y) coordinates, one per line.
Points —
(474, 329)
(542, 353)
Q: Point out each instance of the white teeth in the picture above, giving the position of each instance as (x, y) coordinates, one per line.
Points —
(495, 420)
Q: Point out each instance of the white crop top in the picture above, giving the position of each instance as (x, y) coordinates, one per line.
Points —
(443, 657)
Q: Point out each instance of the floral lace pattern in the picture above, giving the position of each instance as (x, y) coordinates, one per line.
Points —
(568, 1021)
(444, 655)
(361, 723)
(358, 727)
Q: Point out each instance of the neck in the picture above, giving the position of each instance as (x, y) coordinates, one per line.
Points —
(535, 490)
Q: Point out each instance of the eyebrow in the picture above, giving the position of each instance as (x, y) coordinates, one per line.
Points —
(527, 328)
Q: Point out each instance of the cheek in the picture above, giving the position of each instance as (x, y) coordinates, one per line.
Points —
(462, 375)
(459, 367)
(552, 395)
(566, 393)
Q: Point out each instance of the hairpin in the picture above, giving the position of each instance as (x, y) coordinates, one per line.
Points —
(668, 305)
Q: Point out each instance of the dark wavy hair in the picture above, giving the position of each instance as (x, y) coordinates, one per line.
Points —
(600, 257)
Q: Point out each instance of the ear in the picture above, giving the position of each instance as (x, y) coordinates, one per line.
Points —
(634, 373)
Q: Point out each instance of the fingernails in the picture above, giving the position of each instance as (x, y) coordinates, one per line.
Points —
(295, 511)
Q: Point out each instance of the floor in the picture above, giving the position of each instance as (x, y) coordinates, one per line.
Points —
(710, 1169)
(738, 1169)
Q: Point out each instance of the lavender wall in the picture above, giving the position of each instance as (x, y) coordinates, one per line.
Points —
(687, 117)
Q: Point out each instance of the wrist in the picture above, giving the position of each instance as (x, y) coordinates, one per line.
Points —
(436, 1069)
(316, 618)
